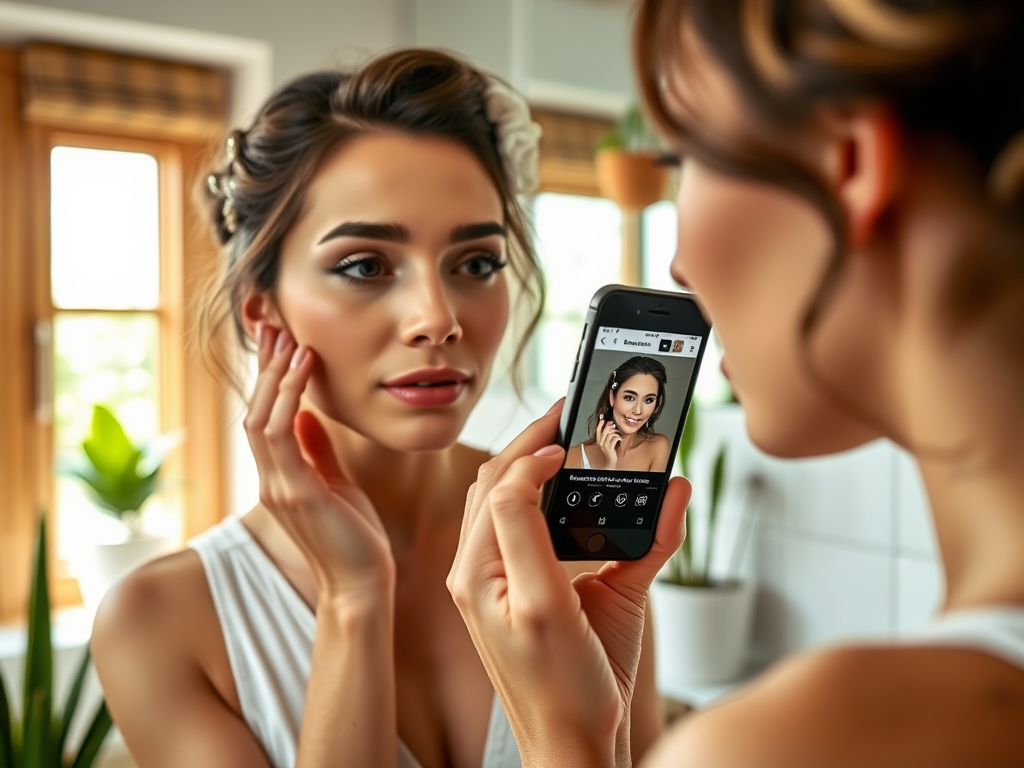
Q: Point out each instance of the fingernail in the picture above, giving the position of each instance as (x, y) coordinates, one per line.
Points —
(555, 407)
(548, 450)
(283, 340)
(298, 357)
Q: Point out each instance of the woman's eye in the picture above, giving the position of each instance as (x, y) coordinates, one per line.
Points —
(482, 266)
(649, 400)
(360, 269)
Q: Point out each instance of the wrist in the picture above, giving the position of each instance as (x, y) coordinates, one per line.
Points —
(356, 605)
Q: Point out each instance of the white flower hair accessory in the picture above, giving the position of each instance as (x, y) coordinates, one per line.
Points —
(518, 135)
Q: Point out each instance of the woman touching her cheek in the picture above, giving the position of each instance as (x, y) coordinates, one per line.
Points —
(371, 230)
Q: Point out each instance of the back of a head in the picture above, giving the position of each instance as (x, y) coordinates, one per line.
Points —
(948, 68)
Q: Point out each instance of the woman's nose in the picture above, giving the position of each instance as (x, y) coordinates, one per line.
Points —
(428, 316)
(676, 270)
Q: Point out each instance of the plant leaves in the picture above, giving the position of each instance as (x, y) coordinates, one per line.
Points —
(94, 737)
(35, 747)
(108, 447)
(155, 451)
(717, 483)
(119, 476)
(687, 440)
(39, 655)
(72, 703)
(6, 728)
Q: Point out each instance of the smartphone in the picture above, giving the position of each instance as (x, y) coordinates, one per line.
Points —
(630, 390)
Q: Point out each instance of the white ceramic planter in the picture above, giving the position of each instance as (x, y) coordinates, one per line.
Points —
(100, 564)
(701, 634)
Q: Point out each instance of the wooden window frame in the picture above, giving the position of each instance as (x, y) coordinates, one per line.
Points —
(190, 397)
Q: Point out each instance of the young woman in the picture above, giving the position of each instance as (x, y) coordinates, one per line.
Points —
(852, 190)
(621, 428)
(367, 220)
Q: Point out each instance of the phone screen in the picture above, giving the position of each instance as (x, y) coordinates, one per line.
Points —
(621, 438)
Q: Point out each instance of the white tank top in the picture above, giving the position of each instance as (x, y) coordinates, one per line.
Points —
(268, 631)
(583, 453)
(997, 630)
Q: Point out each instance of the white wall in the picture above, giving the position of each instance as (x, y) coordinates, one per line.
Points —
(305, 34)
(842, 547)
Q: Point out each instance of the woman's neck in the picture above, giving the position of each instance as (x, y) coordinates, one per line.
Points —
(412, 492)
(961, 405)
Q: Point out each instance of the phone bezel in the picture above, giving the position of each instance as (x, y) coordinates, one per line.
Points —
(625, 307)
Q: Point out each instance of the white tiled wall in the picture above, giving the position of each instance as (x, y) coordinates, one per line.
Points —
(841, 547)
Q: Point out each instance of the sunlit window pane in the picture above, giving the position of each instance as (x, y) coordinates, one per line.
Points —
(579, 240)
(110, 360)
(104, 229)
(659, 245)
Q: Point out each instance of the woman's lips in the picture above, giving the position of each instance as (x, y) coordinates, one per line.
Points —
(428, 387)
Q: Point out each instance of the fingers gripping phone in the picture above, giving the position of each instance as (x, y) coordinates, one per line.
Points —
(623, 417)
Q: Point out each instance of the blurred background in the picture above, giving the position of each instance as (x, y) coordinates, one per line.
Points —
(108, 111)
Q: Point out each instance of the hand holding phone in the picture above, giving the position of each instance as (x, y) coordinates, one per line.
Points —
(624, 413)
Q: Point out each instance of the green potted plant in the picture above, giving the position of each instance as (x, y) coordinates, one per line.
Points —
(40, 739)
(702, 619)
(628, 171)
(119, 477)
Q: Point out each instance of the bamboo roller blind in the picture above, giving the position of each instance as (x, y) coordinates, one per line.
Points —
(567, 151)
(87, 89)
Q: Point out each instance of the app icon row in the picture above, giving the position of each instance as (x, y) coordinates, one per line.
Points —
(595, 499)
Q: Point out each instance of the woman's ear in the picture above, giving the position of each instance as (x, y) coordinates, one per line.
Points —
(865, 167)
(258, 309)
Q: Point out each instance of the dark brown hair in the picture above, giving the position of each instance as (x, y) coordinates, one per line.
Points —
(947, 69)
(255, 195)
(635, 366)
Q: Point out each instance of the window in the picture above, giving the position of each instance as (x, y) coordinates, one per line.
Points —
(579, 243)
(99, 254)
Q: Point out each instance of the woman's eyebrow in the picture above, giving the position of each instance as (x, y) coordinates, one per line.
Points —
(475, 231)
(397, 233)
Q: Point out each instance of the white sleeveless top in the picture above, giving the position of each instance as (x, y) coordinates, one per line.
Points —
(997, 630)
(268, 632)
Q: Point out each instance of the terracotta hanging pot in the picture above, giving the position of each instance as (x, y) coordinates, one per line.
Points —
(631, 179)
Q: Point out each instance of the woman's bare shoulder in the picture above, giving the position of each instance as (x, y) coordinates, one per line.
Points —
(165, 606)
(880, 706)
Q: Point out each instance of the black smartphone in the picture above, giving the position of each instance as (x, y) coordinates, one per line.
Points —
(630, 390)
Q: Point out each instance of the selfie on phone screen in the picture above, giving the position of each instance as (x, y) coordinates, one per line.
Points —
(638, 403)
(626, 406)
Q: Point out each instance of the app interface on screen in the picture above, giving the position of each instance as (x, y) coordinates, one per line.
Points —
(621, 444)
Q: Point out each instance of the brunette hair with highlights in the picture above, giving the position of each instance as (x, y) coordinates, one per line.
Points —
(256, 193)
(948, 70)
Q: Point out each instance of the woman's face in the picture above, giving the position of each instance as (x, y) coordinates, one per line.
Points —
(633, 402)
(392, 278)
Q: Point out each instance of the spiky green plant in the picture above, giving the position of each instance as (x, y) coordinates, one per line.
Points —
(40, 739)
(683, 566)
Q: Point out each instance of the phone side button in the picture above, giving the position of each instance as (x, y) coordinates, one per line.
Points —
(595, 543)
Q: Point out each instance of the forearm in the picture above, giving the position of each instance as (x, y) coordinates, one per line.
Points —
(350, 701)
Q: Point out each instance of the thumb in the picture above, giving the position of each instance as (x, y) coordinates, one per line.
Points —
(637, 575)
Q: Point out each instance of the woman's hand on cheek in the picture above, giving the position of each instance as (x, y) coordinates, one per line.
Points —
(562, 656)
(301, 482)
